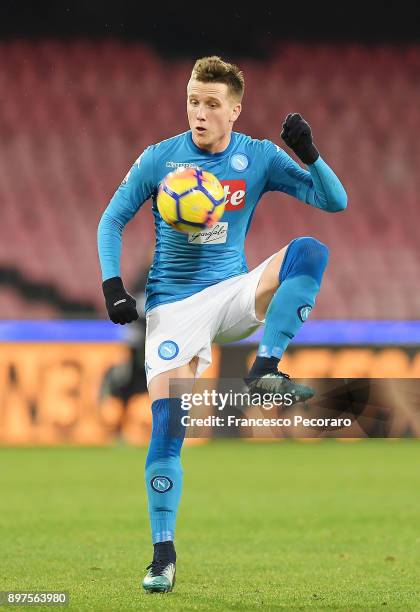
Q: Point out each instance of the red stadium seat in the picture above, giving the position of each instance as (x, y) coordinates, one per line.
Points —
(78, 114)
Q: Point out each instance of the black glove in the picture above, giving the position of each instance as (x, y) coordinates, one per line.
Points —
(121, 306)
(297, 135)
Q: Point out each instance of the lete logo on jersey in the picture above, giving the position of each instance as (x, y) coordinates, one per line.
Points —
(235, 194)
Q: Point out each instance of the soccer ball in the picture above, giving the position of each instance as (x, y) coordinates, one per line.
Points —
(191, 199)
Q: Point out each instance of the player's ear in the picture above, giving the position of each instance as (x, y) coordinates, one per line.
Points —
(236, 111)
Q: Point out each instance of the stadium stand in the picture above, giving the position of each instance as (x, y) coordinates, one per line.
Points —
(75, 115)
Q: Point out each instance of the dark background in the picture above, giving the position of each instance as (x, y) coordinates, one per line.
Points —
(188, 29)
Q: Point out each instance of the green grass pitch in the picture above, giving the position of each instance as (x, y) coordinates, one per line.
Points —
(286, 525)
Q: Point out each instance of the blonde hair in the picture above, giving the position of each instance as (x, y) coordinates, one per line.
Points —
(213, 69)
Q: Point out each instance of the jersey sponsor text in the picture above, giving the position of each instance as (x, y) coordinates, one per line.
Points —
(235, 193)
(212, 235)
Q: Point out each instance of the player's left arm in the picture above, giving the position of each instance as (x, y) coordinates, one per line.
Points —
(318, 186)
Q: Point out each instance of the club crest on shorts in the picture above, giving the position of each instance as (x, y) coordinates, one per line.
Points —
(304, 311)
(168, 349)
(161, 484)
(239, 162)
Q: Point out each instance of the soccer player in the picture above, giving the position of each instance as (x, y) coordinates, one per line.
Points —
(200, 292)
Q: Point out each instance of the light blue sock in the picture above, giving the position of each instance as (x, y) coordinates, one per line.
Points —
(300, 278)
(163, 472)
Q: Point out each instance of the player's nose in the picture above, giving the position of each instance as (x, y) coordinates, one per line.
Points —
(200, 113)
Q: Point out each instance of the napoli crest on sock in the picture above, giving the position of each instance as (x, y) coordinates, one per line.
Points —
(304, 311)
(161, 484)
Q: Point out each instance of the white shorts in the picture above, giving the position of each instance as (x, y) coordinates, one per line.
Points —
(179, 331)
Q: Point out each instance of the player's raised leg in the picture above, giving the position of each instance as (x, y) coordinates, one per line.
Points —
(286, 295)
(163, 476)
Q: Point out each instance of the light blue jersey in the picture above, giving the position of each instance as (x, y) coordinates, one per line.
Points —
(187, 263)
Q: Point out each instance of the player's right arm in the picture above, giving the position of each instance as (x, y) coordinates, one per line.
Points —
(136, 188)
